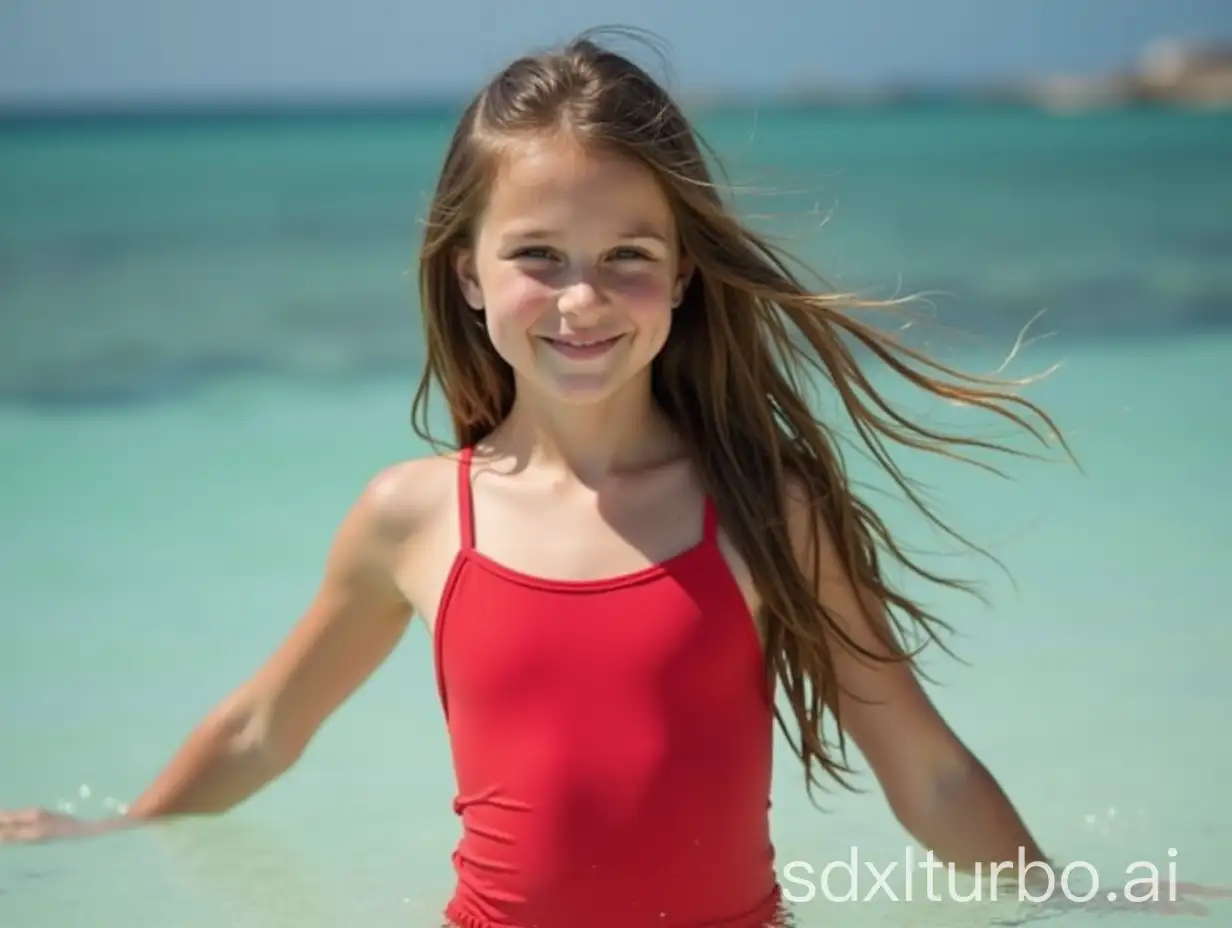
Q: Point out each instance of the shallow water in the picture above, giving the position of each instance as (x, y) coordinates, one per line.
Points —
(140, 586)
(165, 519)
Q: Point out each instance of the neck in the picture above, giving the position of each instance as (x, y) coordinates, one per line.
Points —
(591, 441)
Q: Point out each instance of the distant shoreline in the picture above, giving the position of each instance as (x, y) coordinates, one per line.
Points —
(180, 113)
(1168, 74)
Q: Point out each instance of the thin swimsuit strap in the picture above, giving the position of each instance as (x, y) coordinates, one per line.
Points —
(466, 514)
(466, 507)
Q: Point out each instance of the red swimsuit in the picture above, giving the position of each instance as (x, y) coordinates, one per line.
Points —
(611, 742)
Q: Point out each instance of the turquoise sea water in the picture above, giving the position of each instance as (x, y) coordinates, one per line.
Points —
(208, 342)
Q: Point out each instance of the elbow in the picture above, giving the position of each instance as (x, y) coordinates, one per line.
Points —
(274, 751)
(248, 734)
(930, 790)
(269, 730)
(958, 811)
(231, 754)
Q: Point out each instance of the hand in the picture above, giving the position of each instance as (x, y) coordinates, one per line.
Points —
(27, 826)
(1166, 899)
(1183, 906)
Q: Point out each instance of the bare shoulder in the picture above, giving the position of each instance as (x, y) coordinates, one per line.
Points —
(882, 704)
(399, 505)
(357, 614)
(810, 535)
(403, 498)
(868, 655)
(858, 611)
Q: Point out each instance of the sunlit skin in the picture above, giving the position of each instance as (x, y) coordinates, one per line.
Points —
(577, 271)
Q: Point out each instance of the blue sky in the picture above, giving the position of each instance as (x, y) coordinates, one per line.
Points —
(166, 50)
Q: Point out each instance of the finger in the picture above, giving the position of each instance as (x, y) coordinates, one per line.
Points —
(1183, 907)
(1207, 892)
(12, 832)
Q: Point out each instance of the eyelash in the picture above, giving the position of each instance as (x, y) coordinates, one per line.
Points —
(538, 254)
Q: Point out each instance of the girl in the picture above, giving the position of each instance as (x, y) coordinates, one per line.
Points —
(644, 540)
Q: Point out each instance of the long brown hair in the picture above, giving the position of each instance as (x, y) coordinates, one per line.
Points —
(745, 344)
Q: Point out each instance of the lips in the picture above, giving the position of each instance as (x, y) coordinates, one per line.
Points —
(574, 347)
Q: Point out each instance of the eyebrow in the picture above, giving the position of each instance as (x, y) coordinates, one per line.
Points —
(638, 231)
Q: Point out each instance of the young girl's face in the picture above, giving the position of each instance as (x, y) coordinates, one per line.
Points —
(576, 268)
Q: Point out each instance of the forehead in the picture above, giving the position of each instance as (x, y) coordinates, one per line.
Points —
(554, 182)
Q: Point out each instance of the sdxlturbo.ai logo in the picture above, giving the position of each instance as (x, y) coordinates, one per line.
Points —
(1031, 882)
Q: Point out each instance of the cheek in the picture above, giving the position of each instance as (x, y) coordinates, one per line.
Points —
(647, 298)
(517, 300)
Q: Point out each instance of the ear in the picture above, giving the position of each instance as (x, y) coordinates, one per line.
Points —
(684, 275)
(468, 281)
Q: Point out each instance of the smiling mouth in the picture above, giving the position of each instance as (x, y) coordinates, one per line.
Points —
(583, 348)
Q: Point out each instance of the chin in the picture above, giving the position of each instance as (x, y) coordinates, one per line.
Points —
(585, 389)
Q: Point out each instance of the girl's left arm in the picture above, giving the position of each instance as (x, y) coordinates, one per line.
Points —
(937, 788)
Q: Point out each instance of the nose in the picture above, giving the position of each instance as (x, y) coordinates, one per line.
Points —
(579, 299)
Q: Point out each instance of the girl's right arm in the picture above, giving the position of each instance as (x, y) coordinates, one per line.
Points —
(261, 729)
